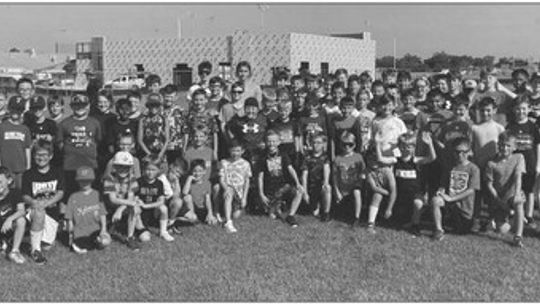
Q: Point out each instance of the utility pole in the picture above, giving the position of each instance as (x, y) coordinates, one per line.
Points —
(394, 53)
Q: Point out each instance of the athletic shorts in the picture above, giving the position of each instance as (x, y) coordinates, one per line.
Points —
(527, 182)
(88, 242)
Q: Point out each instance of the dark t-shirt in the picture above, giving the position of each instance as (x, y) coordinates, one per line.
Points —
(9, 204)
(311, 126)
(287, 132)
(528, 138)
(39, 185)
(407, 177)
(315, 167)
(249, 132)
(275, 169)
(114, 128)
(459, 179)
(46, 130)
(271, 116)
(149, 192)
(14, 140)
(85, 210)
(80, 138)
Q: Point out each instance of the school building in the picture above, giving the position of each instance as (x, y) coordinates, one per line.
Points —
(176, 60)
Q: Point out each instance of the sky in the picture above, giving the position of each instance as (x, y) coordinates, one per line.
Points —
(421, 29)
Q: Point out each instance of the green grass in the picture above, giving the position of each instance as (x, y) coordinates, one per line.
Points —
(269, 261)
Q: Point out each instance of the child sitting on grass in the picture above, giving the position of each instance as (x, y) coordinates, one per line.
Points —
(197, 192)
(504, 178)
(11, 216)
(234, 175)
(276, 179)
(86, 215)
(316, 178)
(457, 190)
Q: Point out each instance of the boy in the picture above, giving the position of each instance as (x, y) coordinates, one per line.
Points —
(386, 127)
(297, 83)
(527, 144)
(311, 125)
(55, 105)
(43, 188)
(504, 176)
(348, 168)
(126, 143)
(135, 98)
(178, 129)
(197, 192)
(457, 190)
(86, 215)
(204, 70)
(120, 125)
(410, 115)
(78, 136)
(41, 127)
(234, 175)
(276, 179)
(217, 98)
(119, 188)
(365, 118)
(150, 192)
(12, 213)
(331, 108)
(316, 178)
(287, 130)
(270, 104)
(199, 115)
(345, 122)
(15, 141)
(25, 91)
(404, 81)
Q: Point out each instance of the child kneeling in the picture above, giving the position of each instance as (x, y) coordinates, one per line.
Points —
(11, 216)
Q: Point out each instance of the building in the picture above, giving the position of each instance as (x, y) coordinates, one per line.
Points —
(176, 60)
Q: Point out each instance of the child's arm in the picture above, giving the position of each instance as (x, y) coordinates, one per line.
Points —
(187, 186)
(294, 176)
(246, 192)
(120, 201)
(432, 155)
(8, 223)
(326, 174)
(263, 197)
(386, 160)
(167, 139)
(53, 200)
(216, 147)
(70, 232)
(332, 148)
(375, 187)
(537, 159)
(392, 189)
(159, 201)
(28, 154)
(140, 137)
(506, 91)
(460, 196)
(210, 218)
(304, 183)
(186, 141)
(339, 196)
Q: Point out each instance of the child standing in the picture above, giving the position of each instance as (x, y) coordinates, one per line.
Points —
(126, 143)
(234, 175)
(86, 215)
(386, 127)
(15, 141)
(316, 178)
(345, 122)
(276, 179)
(503, 176)
(288, 131)
(153, 128)
(177, 124)
(55, 105)
(457, 190)
(200, 116)
(120, 125)
(12, 213)
(41, 127)
(311, 125)
(348, 168)
(365, 118)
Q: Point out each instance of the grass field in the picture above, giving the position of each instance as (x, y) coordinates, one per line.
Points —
(269, 261)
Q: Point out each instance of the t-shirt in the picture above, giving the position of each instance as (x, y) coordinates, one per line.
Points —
(453, 129)
(205, 153)
(315, 168)
(408, 179)
(348, 172)
(80, 138)
(149, 192)
(433, 122)
(501, 172)
(177, 127)
(120, 186)
(8, 205)
(202, 119)
(39, 185)
(387, 130)
(311, 126)
(115, 127)
(484, 138)
(198, 191)
(459, 179)
(365, 119)
(14, 140)
(275, 169)
(153, 132)
(230, 110)
(235, 174)
(45, 130)
(250, 132)
(85, 210)
(271, 116)
(287, 131)
(527, 139)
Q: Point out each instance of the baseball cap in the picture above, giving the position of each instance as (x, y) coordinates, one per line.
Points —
(16, 104)
(38, 103)
(153, 100)
(79, 100)
(123, 158)
(251, 102)
(84, 173)
(469, 84)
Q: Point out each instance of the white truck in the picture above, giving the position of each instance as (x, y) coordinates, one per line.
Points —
(125, 82)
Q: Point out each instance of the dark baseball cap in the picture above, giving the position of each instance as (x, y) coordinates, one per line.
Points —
(251, 102)
(153, 100)
(16, 104)
(79, 100)
(37, 103)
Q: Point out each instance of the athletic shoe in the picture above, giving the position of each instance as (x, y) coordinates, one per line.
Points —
(166, 236)
(325, 217)
(46, 246)
(77, 249)
(230, 227)
(133, 244)
(16, 257)
(371, 228)
(38, 257)
(438, 235)
(3, 247)
(415, 230)
(218, 218)
(291, 220)
(530, 222)
(518, 241)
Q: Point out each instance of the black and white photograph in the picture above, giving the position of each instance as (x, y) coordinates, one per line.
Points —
(269, 152)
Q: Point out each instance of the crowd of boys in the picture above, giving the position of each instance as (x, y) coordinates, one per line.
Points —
(333, 146)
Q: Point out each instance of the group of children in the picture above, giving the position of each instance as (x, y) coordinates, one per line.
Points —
(327, 144)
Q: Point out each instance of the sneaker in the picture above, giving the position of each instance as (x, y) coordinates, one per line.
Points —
(77, 249)
(230, 227)
(133, 244)
(518, 241)
(530, 222)
(438, 235)
(3, 247)
(316, 212)
(38, 257)
(355, 223)
(476, 226)
(166, 236)
(218, 218)
(272, 215)
(46, 246)
(291, 220)
(325, 217)
(16, 257)
(415, 230)
(371, 228)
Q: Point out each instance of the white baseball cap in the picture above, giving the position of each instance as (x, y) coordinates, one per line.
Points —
(123, 158)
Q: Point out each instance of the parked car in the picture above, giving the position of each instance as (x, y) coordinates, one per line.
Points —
(125, 82)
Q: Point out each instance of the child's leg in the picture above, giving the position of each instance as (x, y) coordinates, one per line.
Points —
(18, 233)
(37, 220)
(188, 201)
(175, 205)
(437, 203)
(376, 200)
(529, 205)
(418, 204)
(134, 213)
(357, 203)
(228, 196)
(216, 200)
(326, 199)
(295, 202)
(163, 221)
(518, 218)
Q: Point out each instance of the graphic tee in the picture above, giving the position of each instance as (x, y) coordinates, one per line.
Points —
(45, 130)
(348, 172)
(275, 169)
(235, 174)
(459, 179)
(39, 185)
(149, 192)
(14, 140)
(527, 139)
(502, 172)
(85, 210)
(80, 138)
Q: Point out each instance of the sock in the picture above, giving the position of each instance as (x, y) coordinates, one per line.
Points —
(162, 226)
(35, 239)
(372, 214)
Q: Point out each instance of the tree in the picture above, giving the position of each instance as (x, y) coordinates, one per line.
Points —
(439, 61)
(14, 50)
(410, 62)
(385, 62)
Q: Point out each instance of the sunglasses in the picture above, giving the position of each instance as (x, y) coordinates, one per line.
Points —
(462, 151)
(237, 92)
(348, 144)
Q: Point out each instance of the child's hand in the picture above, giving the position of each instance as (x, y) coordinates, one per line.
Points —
(388, 213)
(426, 138)
(211, 219)
(8, 224)
(300, 188)
(265, 200)
(339, 197)
(306, 197)
(117, 215)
